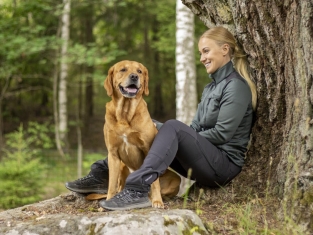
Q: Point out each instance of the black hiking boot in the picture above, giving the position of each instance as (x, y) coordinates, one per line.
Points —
(127, 199)
(88, 184)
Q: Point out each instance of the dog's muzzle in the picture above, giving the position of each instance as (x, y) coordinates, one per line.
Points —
(132, 87)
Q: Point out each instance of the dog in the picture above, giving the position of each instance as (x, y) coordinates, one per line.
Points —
(129, 130)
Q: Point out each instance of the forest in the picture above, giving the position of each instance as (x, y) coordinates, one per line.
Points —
(54, 53)
(101, 33)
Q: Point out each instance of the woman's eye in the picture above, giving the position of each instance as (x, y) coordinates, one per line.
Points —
(139, 71)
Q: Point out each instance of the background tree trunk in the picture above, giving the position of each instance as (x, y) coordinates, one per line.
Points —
(65, 32)
(186, 91)
(79, 133)
(277, 37)
(2, 94)
(89, 41)
(55, 109)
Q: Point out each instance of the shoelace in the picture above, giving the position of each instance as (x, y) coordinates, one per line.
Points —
(85, 177)
(127, 195)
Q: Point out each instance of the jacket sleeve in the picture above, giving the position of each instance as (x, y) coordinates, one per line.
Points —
(158, 124)
(195, 124)
(195, 121)
(235, 99)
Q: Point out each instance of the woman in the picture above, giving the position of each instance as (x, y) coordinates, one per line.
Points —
(214, 145)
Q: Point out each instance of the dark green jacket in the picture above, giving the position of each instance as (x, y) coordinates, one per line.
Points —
(224, 114)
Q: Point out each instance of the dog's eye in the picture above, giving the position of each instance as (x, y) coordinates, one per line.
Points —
(123, 70)
(139, 71)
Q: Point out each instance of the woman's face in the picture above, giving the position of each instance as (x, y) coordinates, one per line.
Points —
(212, 55)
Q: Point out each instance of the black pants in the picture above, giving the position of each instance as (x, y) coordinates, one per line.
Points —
(180, 147)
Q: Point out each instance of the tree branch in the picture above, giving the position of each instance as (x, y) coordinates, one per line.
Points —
(23, 90)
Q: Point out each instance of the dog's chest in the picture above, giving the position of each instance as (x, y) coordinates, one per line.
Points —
(130, 152)
(125, 143)
(128, 146)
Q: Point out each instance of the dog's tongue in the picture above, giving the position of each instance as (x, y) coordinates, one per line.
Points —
(131, 90)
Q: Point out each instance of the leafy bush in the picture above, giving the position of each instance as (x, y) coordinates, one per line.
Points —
(89, 159)
(21, 170)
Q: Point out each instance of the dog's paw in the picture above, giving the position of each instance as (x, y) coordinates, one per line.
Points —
(157, 204)
(95, 196)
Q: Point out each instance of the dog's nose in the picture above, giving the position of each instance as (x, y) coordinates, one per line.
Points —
(133, 77)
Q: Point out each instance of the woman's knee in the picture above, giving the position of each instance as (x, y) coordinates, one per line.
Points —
(173, 123)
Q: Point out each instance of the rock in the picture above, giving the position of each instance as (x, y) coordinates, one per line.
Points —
(44, 218)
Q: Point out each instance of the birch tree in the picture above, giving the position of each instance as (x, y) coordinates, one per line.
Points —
(65, 32)
(186, 94)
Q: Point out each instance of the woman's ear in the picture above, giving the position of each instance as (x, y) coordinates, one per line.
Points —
(225, 49)
(108, 82)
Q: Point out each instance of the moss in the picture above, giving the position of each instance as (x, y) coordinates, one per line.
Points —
(268, 18)
(307, 197)
(224, 13)
(91, 229)
(168, 221)
(92, 209)
(192, 227)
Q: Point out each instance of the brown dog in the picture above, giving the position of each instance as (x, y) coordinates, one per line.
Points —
(129, 130)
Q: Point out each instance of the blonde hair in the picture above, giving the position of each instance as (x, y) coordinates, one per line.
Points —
(222, 36)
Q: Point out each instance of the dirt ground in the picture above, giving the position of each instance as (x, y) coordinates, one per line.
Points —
(221, 210)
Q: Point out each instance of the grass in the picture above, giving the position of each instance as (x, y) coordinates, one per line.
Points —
(244, 214)
(237, 209)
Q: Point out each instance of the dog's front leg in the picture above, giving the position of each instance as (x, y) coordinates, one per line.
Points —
(122, 179)
(114, 173)
(155, 195)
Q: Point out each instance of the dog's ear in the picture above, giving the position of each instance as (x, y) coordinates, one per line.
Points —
(146, 81)
(108, 82)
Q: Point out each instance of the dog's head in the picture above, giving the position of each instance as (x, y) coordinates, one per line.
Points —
(127, 78)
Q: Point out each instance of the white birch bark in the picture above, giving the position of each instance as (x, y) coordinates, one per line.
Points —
(55, 110)
(64, 71)
(186, 92)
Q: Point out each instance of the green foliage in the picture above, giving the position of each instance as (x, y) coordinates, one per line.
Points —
(30, 52)
(21, 169)
(90, 158)
(101, 33)
(38, 135)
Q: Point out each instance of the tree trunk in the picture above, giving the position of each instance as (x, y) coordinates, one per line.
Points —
(65, 32)
(55, 109)
(277, 37)
(186, 93)
(79, 127)
(89, 39)
(2, 94)
(154, 57)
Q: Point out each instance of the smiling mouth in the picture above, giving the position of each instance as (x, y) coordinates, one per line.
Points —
(129, 91)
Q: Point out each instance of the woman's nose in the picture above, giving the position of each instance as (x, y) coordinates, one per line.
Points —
(202, 58)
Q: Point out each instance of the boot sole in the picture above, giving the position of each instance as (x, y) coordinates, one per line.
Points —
(128, 207)
(99, 191)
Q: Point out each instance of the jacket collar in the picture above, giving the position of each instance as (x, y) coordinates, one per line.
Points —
(222, 72)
